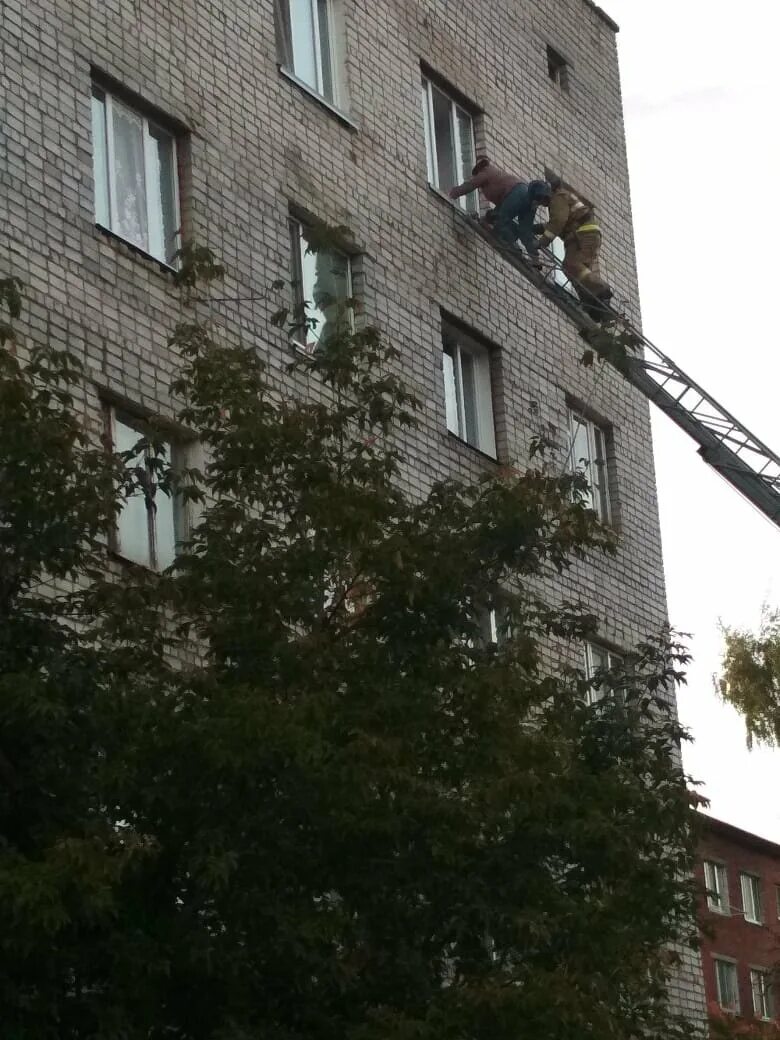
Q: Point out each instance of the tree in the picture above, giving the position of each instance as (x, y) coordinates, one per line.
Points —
(750, 678)
(292, 787)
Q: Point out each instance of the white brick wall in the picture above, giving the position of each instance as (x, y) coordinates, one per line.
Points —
(258, 142)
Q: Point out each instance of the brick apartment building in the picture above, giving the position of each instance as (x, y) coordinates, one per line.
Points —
(740, 918)
(133, 123)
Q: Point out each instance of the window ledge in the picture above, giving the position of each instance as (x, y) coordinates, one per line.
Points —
(334, 111)
(470, 449)
(442, 196)
(104, 232)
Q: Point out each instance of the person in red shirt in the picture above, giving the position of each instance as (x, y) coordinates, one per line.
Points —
(515, 202)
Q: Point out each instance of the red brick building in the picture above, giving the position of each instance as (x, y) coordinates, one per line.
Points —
(740, 919)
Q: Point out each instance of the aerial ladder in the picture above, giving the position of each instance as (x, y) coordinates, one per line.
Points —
(724, 442)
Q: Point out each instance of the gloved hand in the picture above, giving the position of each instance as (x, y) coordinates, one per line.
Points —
(490, 216)
(538, 229)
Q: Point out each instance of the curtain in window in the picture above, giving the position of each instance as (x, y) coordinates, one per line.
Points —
(130, 188)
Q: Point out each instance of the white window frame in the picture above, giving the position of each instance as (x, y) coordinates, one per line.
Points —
(176, 457)
(597, 436)
(717, 885)
(750, 885)
(461, 343)
(761, 994)
(592, 666)
(730, 965)
(468, 203)
(108, 101)
(306, 338)
(288, 60)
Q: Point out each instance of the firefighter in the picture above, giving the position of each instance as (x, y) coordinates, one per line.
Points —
(515, 202)
(573, 220)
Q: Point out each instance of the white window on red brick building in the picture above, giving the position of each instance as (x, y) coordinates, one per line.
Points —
(136, 176)
(726, 985)
(450, 145)
(761, 989)
(716, 883)
(751, 898)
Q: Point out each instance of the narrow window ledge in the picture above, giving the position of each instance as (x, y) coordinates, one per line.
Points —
(442, 196)
(470, 450)
(322, 101)
(163, 266)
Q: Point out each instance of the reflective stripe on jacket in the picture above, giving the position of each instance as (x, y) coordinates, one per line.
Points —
(568, 214)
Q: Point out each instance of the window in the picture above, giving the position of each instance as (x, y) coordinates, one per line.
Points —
(761, 988)
(588, 455)
(598, 659)
(307, 43)
(468, 394)
(726, 985)
(136, 180)
(558, 69)
(322, 287)
(751, 897)
(716, 883)
(449, 142)
(149, 524)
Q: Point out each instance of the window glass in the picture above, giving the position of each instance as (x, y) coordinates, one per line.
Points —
(162, 193)
(322, 285)
(146, 531)
(305, 41)
(751, 897)
(130, 219)
(588, 456)
(304, 48)
(326, 62)
(100, 158)
(760, 985)
(726, 982)
(716, 884)
(449, 142)
(451, 396)
(134, 163)
(133, 521)
(468, 390)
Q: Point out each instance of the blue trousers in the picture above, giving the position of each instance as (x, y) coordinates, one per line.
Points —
(514, 218)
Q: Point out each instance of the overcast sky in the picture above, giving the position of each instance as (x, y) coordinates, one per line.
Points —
(700, 93)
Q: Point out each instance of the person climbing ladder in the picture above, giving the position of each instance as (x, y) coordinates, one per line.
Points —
(573, 220)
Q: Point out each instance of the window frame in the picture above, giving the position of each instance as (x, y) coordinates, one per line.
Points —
(756, 908)
(111, 96)
(613, 658)
(732, 966)
(717, 871)
(283, 14)
(483, 403)
(600, 491)
(468, 203)
(766, 995)
(113, 414)
(300, 335)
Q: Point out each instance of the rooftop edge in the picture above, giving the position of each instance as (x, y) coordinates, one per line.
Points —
(737, 834)
(603, 14)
